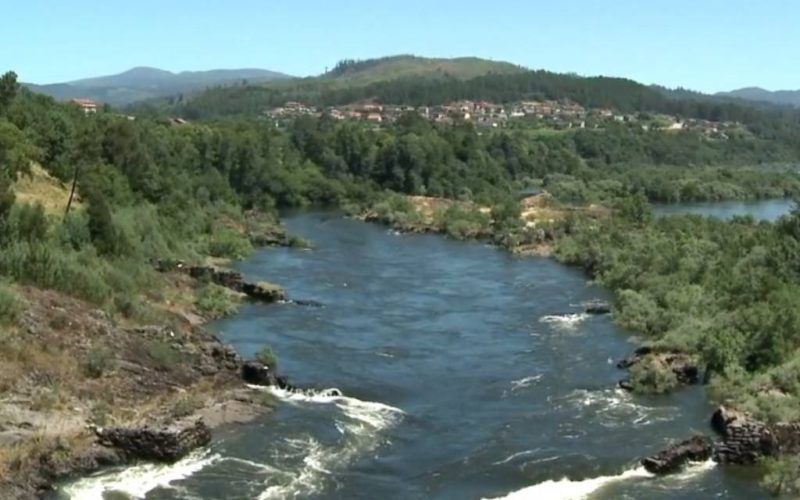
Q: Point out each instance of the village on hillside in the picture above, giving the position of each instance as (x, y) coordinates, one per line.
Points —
(562, 114)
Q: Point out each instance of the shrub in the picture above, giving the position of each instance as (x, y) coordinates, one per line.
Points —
(215, 301)
(229, 244)
(652, 376)
(267, 357)
(74, 231)
(783, 476)
(10, 305)
(298, 242)
(163, 354)
(186, 406)
(98, 361)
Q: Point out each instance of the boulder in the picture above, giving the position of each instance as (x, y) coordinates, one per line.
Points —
(597, 307)
(675, 456)
(166, 444)
(256, 373)
(634, 358)
(746, 440)
(266, 292)
(684, 366)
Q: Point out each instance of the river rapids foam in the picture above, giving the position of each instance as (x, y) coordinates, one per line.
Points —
(358, 422)
(566, 489)
(565, 321)
(138, 480)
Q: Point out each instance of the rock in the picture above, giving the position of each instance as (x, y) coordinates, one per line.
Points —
(634, 358)
(597, 307)
(166, 444)
(233, 280)
(746, 440)
(675, 456)
(684, 366)
(254, 372)
(625, 384)
(723, 417)
(306, 303)
(264, 291)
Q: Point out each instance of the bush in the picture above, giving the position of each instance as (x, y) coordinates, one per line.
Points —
(783, 476)
(267, 357)
(163, 354)
(229, 244)
(652, 376)
(10, 306)
(98, 361)
(215, 301)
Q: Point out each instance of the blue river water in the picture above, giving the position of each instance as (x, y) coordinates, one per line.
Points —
(467, 373)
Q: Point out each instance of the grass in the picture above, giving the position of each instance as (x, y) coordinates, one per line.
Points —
(163, 354)
(41, 187)
(10, 305)
(267, 357)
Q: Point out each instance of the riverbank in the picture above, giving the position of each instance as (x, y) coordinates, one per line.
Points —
(84, 389)
(669, 277)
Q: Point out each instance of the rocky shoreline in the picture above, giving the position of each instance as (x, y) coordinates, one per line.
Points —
(138, 392)
(742, 440)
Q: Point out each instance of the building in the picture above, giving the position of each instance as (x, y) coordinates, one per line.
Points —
(87, 105)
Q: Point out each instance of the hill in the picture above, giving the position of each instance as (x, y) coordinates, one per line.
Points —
(780, 97)
(405, 66)
(143, 83)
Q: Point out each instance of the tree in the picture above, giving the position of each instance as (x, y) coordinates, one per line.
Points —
(8, 90)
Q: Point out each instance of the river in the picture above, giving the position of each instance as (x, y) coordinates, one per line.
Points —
(769, 210)
(467, 373)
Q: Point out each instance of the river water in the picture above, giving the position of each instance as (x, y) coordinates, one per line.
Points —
(769, 210)
(467, 373)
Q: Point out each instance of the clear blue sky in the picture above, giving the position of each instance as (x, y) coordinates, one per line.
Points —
(706, 45)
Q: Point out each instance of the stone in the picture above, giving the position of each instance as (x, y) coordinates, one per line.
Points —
(166, 444)
(684, 366)
(597, 307)
(256, 373)
(674, 457)
(266, 292)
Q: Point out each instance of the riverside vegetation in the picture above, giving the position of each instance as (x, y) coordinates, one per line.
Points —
(149, 190)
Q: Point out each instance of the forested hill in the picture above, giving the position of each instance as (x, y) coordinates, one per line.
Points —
(403, 66)
(143, 83)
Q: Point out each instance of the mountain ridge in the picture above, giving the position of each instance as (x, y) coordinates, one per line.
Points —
(145, 82)
(780, 97)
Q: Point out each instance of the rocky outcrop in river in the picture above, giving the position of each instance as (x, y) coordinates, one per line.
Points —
(597, 307)
(682, 368)
(166, 444)
(263, 291)
(257, 373)
(675, 456)
(745, 440)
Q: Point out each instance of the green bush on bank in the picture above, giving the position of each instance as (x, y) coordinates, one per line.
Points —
(267, 357)
(216, 301)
